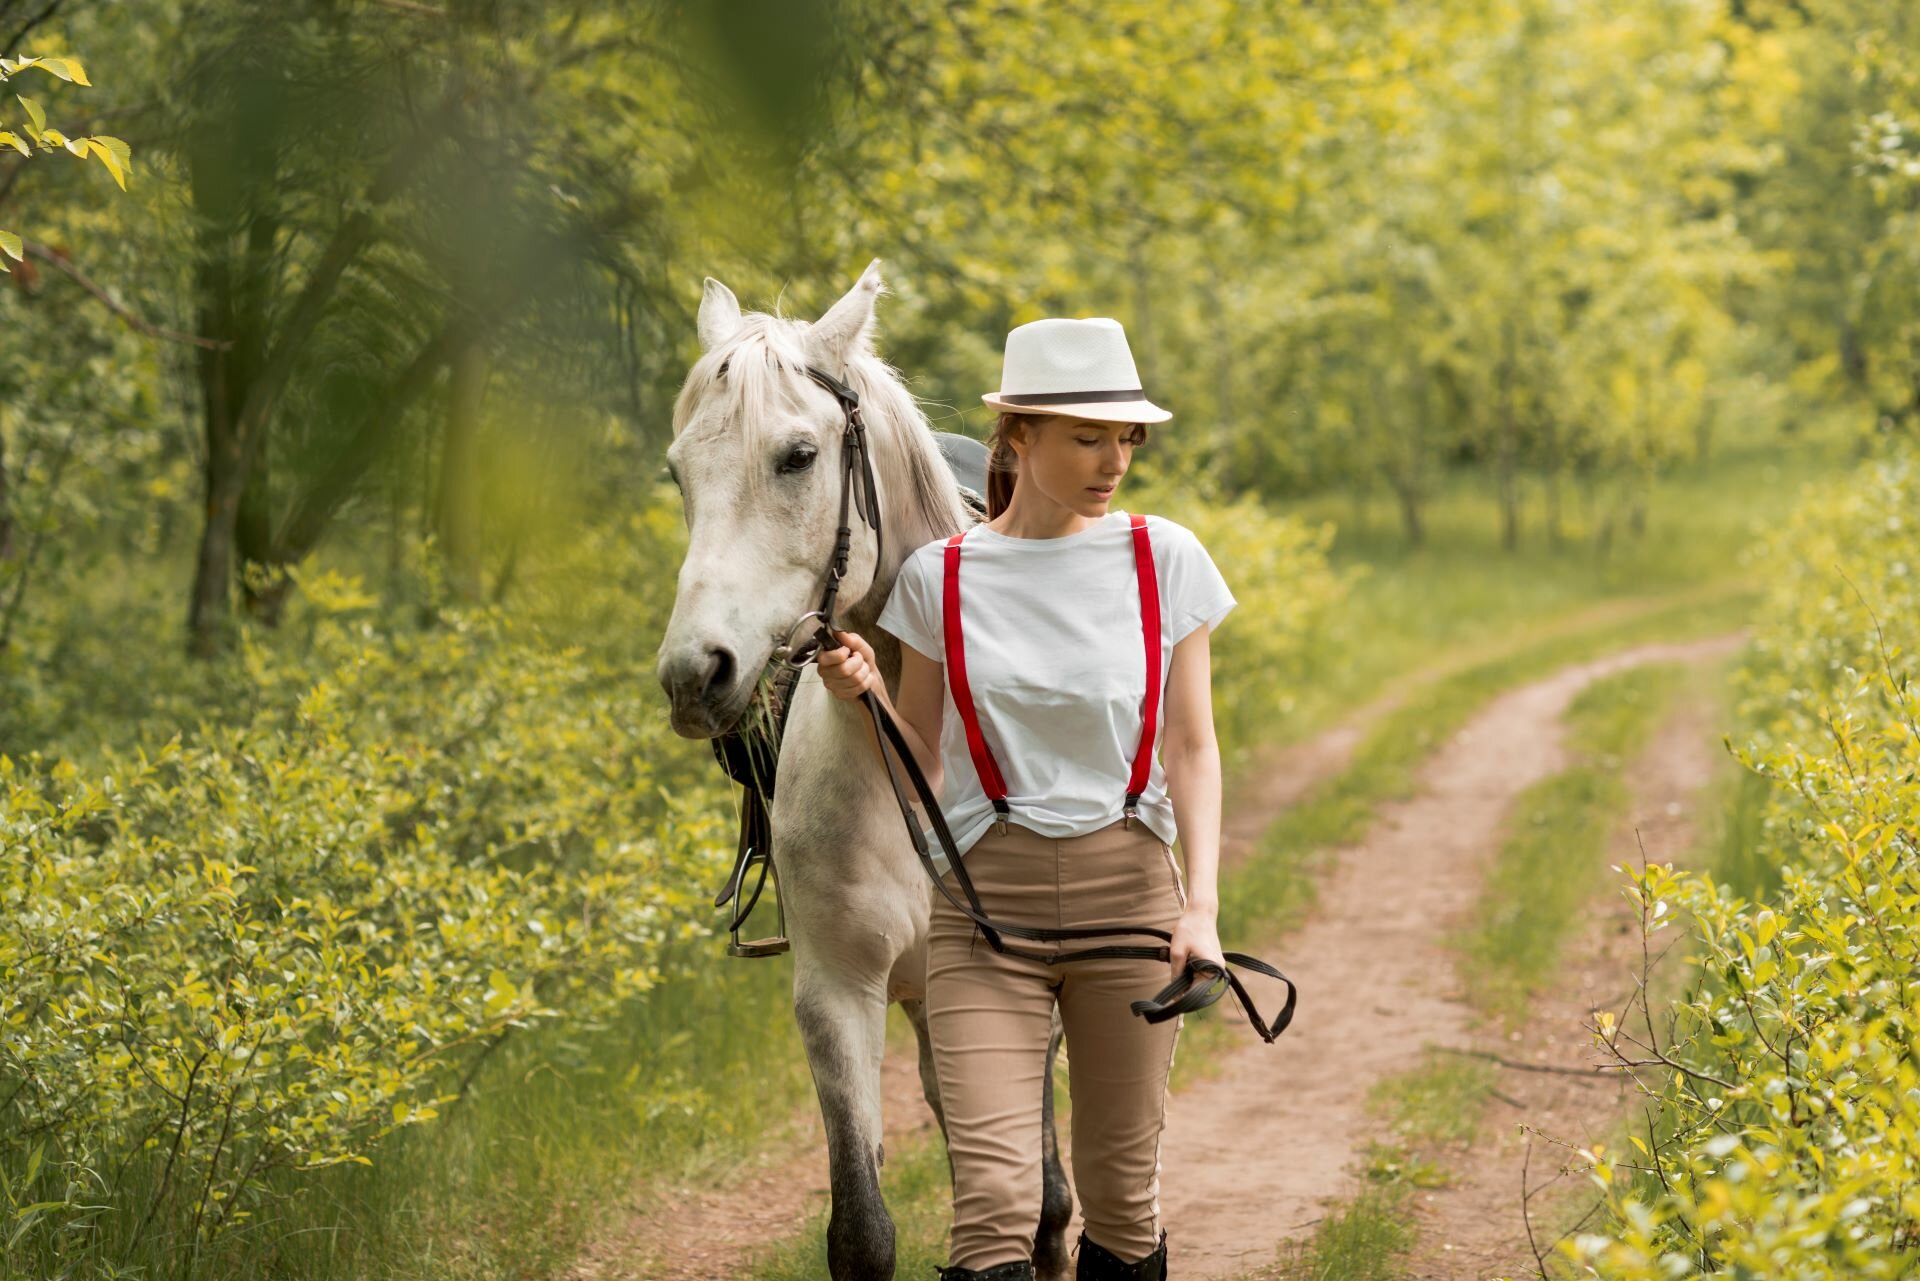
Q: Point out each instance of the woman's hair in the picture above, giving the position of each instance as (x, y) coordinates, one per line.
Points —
(1003, 464)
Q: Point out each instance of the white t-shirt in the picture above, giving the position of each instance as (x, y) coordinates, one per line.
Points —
(1057, 666)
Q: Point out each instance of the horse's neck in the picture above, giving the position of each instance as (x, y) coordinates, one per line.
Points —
(908, 525)
(908, 521)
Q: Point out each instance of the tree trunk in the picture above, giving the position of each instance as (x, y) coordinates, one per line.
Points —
(6, 499)
(1641, 481)
(243, 390)
(225, 475)
(458, 517)
(236, 517)
(253, 531)
(1224, 360)
(1507, 448)
(213, 571)
(1141, 336)
(1411, 522)
(1556, 534)
(230, 175)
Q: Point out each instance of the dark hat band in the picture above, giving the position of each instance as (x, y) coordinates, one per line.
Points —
(1071, 397)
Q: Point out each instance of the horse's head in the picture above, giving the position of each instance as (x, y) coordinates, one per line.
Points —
(756, 454)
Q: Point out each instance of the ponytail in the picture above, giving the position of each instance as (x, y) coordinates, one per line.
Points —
(1003, 464)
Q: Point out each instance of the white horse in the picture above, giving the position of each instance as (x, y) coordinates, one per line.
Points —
(756, 454)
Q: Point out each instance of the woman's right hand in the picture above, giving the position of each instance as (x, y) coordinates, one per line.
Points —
(850, 670)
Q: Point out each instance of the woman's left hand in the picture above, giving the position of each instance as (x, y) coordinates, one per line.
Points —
(1196, 934)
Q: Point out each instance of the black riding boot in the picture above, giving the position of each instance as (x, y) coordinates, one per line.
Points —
(1097, 1263)
(1018, 1270)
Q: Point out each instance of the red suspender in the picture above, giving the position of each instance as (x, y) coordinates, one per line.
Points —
(1150, 632)
(983, 762)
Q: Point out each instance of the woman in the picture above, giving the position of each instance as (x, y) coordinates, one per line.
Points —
(1056, 795)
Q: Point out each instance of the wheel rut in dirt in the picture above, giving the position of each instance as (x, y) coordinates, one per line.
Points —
(1473, 1228)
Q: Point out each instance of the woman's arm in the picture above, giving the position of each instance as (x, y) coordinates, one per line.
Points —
(848, 671)
(1191, 755)
(922, 706)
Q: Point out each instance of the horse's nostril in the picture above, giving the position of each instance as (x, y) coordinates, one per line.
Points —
(720, 673)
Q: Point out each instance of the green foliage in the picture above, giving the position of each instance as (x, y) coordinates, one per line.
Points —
(1786, 1076)
(287, 932)
(35, 134)
(1494, 234)
(1273, 645)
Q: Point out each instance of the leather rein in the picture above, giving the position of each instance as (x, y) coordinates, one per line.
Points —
(1201, 983)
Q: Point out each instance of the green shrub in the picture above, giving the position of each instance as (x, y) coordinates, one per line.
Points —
(276, 938)
(1275, 643)
(1786, 1075)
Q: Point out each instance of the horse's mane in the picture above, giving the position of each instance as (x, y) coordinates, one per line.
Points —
(759, 360)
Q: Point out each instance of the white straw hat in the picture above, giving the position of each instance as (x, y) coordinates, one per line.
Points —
(1080, 368)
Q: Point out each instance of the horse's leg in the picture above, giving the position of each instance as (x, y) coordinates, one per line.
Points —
(1050, 1262)
(843, 1023)
(915, 1009)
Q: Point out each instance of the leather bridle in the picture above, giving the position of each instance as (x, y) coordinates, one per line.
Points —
(1202, 982)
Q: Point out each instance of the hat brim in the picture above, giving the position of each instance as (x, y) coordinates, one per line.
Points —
(1099, 411)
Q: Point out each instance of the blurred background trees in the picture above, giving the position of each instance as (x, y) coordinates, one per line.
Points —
(400, 274)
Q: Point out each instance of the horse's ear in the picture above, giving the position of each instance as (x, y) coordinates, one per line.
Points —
(847, 327)
(719, 315)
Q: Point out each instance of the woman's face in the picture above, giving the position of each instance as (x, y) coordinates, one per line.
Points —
(1076, 462)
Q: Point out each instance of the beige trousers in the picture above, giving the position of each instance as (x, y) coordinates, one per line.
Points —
(989, 1017)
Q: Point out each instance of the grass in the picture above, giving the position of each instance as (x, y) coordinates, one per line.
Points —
(915, 1185)
(1548, 866)
(1437, 1102)
(1735, 849)
(1362, 1239)
(1731, 810)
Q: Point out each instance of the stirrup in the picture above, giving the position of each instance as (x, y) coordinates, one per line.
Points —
(773, 944)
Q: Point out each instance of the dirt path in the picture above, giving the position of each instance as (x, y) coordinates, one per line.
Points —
(1473, 1227)
(1253, 1153)
(1282, 1118)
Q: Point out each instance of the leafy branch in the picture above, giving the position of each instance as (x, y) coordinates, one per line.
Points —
(36, 134)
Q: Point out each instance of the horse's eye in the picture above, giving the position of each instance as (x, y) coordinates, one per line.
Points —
(799, 458)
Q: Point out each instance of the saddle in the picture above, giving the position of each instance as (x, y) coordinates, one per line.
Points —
(750, 750)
